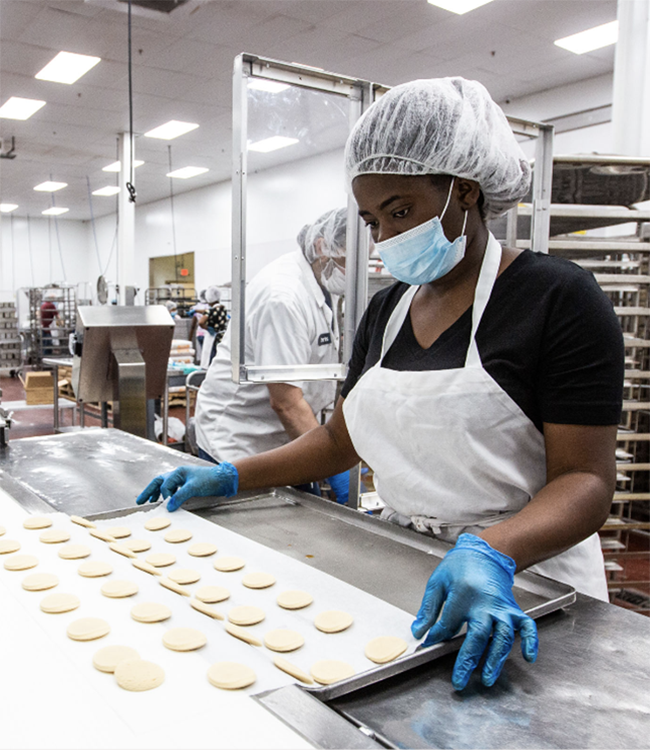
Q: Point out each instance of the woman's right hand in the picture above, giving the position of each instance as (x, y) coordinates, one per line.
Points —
(186, 482)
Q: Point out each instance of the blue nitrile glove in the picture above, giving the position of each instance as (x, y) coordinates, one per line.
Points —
(474, 583)
(192, 481)
(340, 484)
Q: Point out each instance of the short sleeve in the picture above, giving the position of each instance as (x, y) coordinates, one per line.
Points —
(280, 332)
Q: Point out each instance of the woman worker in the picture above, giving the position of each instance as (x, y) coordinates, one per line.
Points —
(484, 387)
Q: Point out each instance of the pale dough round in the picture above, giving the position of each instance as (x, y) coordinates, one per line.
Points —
(333, 621)
(37, 522)
(160, 559)
(157, 524)
(331, 670)
(246, 615)
(57, 603)
(119, 532)
(21, 562)
(88, 629)
(74, 552)
(283, 640)
(82, 522)
(184, 576)
(294, 599)
(122, 549)
(107, 658)
(173, 586)
(138, 545)
(258, 580)
(119, 589)
(95, 569)
(137, 675)
(212, 594)
(202, 549)
(54, 536)
(243, 634)
(206, 609)
(292, 669)
(178, 535)
(229, 675)
(385, 648)
(3, 531)
(7, 546)
(150, 612)
(40, 582)
(184, 639)
(228, 564)
(142, 565)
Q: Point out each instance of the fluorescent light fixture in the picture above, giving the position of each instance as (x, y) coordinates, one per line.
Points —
(67, 67)
(55, 211)
(171, 129)
(107, 191)
(50, 187)
(184, 173)
(116, 166)
(272, 144)
(459, 6)
(591, 39)
(7, 208)
(263, 84)
(17, 108)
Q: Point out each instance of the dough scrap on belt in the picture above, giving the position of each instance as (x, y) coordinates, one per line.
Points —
(294, 599)
(228, 564)
(175, 536)
(173, 586)
(54, 604)
(88, 629)
(184, 576)
(40, 582)
(184, 639)
(385, 648)
(119, 532)
(119, 589)
(37, 522)
(21, 562)
(138, 545)
(138, 675)
(283, 640)
(7, 546)
(246, 615)
(292, 669)
(142, 565)
(228, 675)
(160, 559)
(258, 580)
(329, 671)
(82, 522)
(123, 550)
(150, 612)
(206, 609)
(333, 621)
(54, 536)
(212, 594)
(202, 549)
(95, 569)
(107, 658)
(99, 534)
(74, 552)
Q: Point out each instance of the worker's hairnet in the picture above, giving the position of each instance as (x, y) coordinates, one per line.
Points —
(330, 228)
(441, 126)
(170, 305)
(212, 295)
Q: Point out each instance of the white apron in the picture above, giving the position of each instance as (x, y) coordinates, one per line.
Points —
(451, 451)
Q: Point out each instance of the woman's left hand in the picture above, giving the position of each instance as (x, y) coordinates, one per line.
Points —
(474, 583)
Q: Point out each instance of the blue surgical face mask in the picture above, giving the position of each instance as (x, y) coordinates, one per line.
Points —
(423, 254)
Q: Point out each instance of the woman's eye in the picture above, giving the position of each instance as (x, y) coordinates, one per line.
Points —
(371, 224)
(401, 214)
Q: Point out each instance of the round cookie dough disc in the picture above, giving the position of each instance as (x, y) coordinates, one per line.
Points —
(228, 564)
(160, 559)
(119, 532)
(178, 535)
(107, 658)
(21, 562)
(54, 604)
(138, 545)
(385, 648)
(184, 639)
(292, 669)
(229, 675)
(119, 589)
(283, 640)
(246, 615)
(294, 599)
(94, 569)
(40, 582)
(258, 580)
(212, 594)
(333, 621)
(157, 524)
(88, 629)
(82, 522)
(7, 546)
(184, 576)
(202, 549)
(150, 612)
(54, 536)
(331, 670)
(74, 552)
(138, 675)
(37, 522)
(3, 531)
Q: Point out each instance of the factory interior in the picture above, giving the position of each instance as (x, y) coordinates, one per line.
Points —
(170, 171)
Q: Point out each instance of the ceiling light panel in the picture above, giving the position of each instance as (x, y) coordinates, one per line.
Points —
(67, 67)
(184, 173)
(273, 143)
(55, 211)
(17, 108)
(263, 84)
(459, 6)
(107, 191)
(50, 187)
(116, 166)
(591, 39)
(171, 129)
(7, 208)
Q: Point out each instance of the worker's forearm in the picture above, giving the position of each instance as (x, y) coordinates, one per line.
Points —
(297, 417)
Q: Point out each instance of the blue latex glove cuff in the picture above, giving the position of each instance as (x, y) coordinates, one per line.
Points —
(471, 541)
(340, 484)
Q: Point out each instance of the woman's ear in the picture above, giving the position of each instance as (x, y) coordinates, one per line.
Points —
(468, 192)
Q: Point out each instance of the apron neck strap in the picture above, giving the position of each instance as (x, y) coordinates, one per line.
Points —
(484, 286)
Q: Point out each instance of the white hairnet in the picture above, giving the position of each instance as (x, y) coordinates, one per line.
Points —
(330, 228)
(170, 305)
(212, 295)
(441, 126)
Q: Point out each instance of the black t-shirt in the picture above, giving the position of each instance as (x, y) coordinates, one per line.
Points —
(549, 337)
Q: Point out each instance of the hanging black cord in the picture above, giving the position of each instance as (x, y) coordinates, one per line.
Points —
(129, 185)
(171, 201)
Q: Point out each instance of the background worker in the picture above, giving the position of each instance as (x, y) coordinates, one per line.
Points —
(214, 322)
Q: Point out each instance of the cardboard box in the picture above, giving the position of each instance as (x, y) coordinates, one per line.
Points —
(39, 388)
